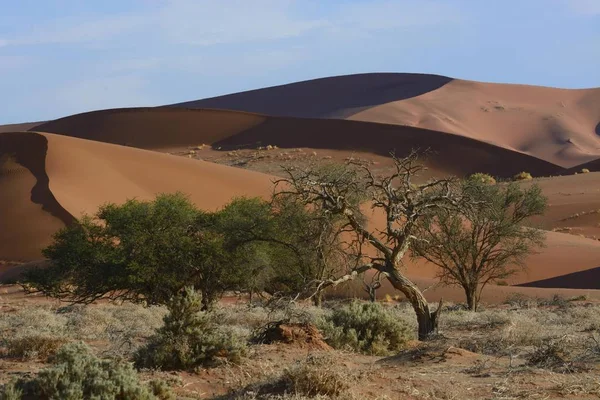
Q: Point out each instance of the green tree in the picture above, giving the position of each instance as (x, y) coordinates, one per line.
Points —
(142, 251)
(485, 242)
(344, 190)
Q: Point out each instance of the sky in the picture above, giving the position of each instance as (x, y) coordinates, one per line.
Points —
(61, 57)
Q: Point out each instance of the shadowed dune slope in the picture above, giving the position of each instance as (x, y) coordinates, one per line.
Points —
(29, 212)
(153, 128)
(451, 154)
(334, 97)
(168, 128)
(588, 279)
(557, 125)
(19, 127)
(46, 180)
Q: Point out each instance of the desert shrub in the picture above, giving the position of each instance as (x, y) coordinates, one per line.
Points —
(189, 338)
(34, 346)
(316, 375)
(77, 374)
(554, 355)
(522, 176)
(10, 391)
(145, 251)
(483, 178)
(366, 328)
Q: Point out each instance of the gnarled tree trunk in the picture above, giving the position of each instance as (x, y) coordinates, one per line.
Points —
(427, 319)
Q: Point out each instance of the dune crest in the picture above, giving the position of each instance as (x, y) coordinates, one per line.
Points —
(57, 178)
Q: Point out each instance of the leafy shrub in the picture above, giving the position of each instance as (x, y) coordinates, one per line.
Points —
(316, 375)
(522, 176)
(34, 346)
(189, 338)
(10, 391)
(366, 328)
(78, 374)
(483, 178)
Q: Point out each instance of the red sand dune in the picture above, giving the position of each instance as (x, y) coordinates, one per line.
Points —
(168, 128)
(573, 204)
(153, 128)
(46, 180)
(557, 125)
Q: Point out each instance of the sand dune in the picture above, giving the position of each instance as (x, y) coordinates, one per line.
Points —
(333, 97)
(47, 180)
(19, 127)
(556, 125)
(153, 128)
(170, 128)
(573, 204)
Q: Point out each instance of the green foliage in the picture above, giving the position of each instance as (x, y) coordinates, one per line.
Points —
(486, 240)
(189, 338)
(34, 345)
(148, 251)
(77, 374)
(522, 176)
(10, 391)
(366, 328)
(483, 178)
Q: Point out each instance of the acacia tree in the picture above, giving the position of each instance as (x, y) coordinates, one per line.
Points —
(315, 238)
(485, 242)
(147, 251)
(341, 191)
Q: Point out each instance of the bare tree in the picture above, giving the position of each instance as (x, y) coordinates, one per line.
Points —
(343, 189)
(485, 242)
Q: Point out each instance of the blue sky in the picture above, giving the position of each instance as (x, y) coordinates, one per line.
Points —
(59, 57)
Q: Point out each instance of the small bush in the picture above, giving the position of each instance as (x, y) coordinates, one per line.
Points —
(189, 338)
(522, 176)
(34, 346)
(483, 178)
(10, 391)
(78, 374)
(366, 328)
(316, 376)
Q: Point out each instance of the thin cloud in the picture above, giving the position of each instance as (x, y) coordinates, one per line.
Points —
(585, 7)
(207, 22)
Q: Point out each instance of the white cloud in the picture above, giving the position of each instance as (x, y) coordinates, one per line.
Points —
(233, 21)
(75, 30)
(209, 22)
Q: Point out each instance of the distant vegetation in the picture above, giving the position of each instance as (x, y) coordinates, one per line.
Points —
(522, 176)
(312, 235)
(483, 178)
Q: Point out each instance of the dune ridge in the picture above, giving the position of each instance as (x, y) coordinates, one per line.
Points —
(168, 128)
(56, 179)
(556, 125)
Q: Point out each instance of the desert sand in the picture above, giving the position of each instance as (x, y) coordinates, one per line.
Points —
(557, 125)
(62, 169)
(49, 180)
